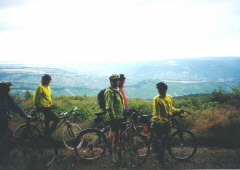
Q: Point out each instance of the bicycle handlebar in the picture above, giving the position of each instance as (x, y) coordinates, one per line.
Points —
(32, 119)
(64, 114)
(182, 116)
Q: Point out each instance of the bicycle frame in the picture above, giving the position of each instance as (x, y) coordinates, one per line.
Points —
(130, 127)
(62, 119)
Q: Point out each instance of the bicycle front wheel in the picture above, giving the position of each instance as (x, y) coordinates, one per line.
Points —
(69, 135)
(42, 149)
(94, 144)
(182, 145)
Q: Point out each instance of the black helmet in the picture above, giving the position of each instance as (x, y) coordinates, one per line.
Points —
(122, 77)
(5, 84)
(46, 77)
(162, 85)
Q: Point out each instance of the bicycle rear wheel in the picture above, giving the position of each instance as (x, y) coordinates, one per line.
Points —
(182, 145)
(94, 144)
(28, 136)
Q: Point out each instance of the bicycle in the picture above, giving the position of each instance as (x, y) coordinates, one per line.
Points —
(181, 144)
(14, 151)
(131, 145)
(35, 139)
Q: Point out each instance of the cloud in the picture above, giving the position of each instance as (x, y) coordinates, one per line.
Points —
(108, 30)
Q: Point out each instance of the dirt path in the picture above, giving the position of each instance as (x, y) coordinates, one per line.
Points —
(205, 158)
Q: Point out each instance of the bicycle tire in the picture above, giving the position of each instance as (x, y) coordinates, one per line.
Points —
(94, 144)
(65, 159)
(182, 145)
(12, 154)
(32, 140)
(69, 135)
(16, 157)
(26, 140)
(135, 154)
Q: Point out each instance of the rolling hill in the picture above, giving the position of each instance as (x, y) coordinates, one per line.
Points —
(184, 76)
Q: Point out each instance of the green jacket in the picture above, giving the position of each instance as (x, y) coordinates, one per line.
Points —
(114, 104)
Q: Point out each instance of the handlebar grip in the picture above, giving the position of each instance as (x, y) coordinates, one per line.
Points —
(183, 116)
(180, 115)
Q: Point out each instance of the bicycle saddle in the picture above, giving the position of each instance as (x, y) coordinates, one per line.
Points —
(145, 118)
(100, 113)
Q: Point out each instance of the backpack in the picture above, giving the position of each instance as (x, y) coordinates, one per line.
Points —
(101, 101)
(100, 98)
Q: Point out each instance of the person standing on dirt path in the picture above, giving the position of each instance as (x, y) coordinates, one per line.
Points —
(7, 103)
(114, 112)
(42, 101)
(162, 111)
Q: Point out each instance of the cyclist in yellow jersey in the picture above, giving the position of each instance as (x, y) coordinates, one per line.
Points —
(162, 104)
(163, 110)
(42, 101)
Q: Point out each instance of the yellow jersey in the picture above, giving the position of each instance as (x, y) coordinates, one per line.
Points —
(162, 108)
(42, 96)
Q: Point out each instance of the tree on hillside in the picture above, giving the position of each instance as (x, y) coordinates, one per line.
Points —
(28, 95)
(236, 89)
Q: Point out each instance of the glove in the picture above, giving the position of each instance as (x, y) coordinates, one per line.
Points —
(34, 112)
(28, 117)
(181, 111)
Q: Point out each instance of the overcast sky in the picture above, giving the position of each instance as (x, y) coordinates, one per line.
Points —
(75, 31)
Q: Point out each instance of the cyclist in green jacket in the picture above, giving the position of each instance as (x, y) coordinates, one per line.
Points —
(42, 101)
(114, 107)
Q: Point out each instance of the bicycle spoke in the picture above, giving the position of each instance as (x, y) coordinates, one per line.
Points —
(93, 144)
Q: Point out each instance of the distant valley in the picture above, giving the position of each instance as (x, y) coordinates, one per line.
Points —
(184, 76)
